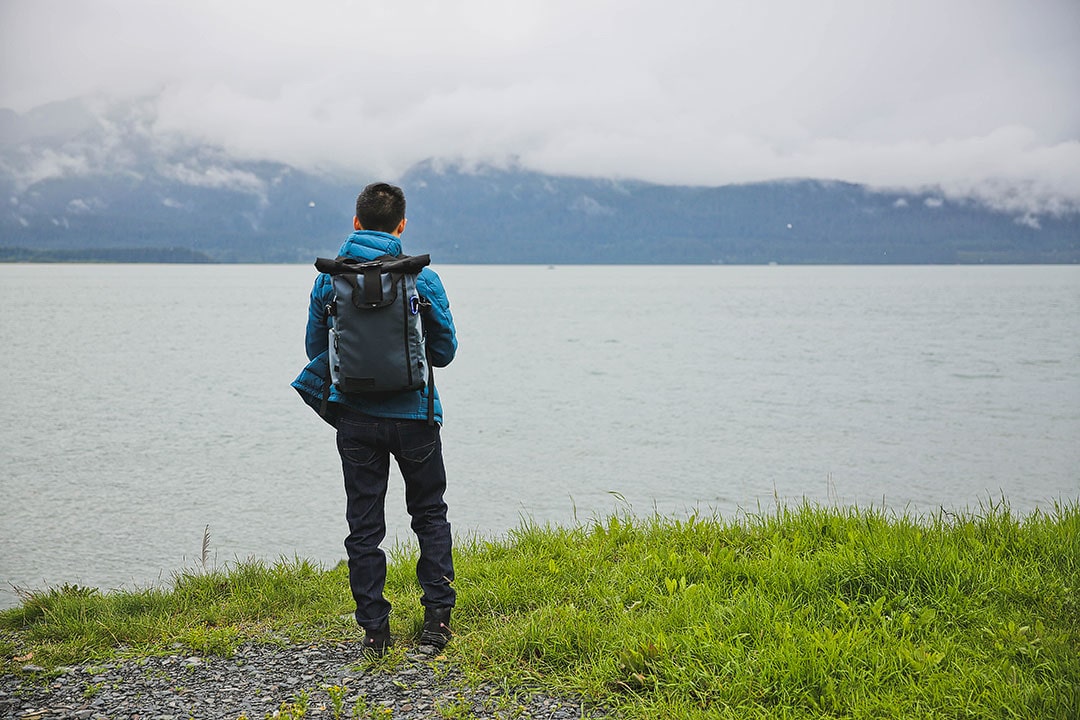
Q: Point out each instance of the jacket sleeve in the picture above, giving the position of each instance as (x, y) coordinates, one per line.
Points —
(317, 340)
(441, 336)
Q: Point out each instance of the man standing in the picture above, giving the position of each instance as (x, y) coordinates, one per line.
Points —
(370, 428)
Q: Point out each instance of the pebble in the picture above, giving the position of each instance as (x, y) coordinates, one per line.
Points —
(258, 681)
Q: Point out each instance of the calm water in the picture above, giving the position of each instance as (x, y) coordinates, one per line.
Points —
(143, 403)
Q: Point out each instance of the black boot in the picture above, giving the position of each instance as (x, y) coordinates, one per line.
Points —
(436, 632)
(377, 641)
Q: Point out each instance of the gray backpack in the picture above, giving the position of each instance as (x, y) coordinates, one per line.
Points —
(377, 336)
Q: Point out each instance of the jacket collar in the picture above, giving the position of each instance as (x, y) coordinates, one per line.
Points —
(370, 244)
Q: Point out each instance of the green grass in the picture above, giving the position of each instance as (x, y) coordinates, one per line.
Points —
(806, 612)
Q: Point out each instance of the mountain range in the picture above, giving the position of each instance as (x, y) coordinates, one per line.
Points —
(82, 185)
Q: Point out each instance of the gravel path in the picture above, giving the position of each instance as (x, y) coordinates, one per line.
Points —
(261, 680)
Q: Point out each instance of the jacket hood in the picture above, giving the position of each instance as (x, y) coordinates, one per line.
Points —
(370, 244)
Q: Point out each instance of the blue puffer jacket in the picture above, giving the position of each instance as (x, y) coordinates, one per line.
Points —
(441, 338)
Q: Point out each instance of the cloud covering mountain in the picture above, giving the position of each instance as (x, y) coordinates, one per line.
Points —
(100, 183)
(975, 98)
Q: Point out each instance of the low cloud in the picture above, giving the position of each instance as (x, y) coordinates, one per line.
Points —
(216, 177)
(52, 164)
(84, 205)
(1029, 220)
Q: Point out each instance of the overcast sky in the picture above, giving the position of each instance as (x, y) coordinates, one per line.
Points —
(979, 96)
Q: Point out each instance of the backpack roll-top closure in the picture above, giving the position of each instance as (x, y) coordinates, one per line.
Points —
(407, 264)
(381, 276)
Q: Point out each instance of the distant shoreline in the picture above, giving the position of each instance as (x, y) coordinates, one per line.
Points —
(106, 255)
(187, 256)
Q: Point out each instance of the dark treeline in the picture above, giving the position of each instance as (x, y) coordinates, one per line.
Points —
(105, 255)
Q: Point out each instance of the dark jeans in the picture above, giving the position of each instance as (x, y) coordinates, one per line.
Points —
(365, 444)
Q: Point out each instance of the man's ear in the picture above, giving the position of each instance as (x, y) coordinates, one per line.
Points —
(356, 223)
(401, 226)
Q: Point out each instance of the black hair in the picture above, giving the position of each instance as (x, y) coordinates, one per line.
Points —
(380, 206)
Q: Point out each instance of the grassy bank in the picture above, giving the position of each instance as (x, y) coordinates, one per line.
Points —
(805, 612)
